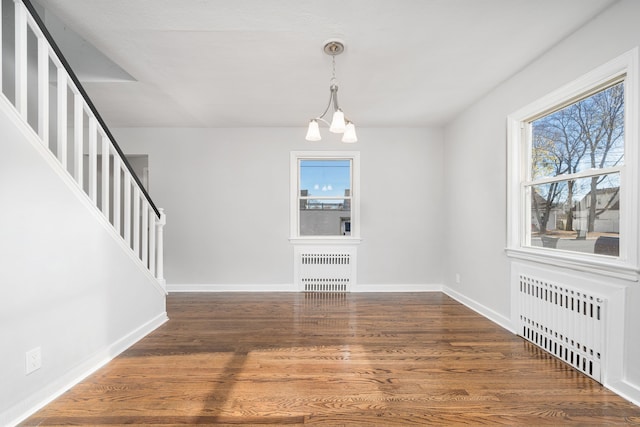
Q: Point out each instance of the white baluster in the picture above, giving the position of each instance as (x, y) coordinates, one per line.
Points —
(21, 58)
(105, 175)
(136, 219)
(145, 233)
(93, 160)
(78, 110)
(160, 247)
(127, 208)
(62, 116)
(116, 193)
(43, 90)
(152, 241)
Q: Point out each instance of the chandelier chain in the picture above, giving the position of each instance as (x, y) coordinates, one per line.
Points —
(333, 63)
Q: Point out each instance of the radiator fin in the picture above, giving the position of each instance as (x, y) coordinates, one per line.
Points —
(564, 321)
(325, 270)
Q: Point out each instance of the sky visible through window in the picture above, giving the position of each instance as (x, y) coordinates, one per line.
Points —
(586, 135)
(325, 178)
(576, 155)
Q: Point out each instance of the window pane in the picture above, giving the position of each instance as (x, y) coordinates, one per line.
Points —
(588, 134)
(325, 217)
(326, 178)
(581, 215)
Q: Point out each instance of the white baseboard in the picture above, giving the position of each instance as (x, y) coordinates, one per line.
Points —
(624, 389)
(422, 287)
(24, 409)
(219, 287)
(480, 309)
(289, 287)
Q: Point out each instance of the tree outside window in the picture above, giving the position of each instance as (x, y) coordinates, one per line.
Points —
(573, 183)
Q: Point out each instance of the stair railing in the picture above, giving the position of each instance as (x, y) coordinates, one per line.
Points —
(48, 96)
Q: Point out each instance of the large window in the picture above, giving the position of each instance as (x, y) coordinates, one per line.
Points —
(324, 195)
(573, 184)
(573, 169)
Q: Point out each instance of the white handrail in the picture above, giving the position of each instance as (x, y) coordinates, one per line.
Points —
(119, 196)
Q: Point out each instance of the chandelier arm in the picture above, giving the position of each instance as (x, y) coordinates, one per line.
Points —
(328, 106)
(334, 95)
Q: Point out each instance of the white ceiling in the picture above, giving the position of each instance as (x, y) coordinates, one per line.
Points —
(244, 63)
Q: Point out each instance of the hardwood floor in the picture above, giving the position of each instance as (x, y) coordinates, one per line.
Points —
(335, 360)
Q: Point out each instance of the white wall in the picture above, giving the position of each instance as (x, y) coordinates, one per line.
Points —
(67, 286)
(226, 196)
(475, 174)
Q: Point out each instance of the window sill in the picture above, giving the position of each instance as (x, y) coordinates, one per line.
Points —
(596, 264)
(329, 240)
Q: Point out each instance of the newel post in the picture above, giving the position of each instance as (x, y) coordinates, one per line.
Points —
(160, 247)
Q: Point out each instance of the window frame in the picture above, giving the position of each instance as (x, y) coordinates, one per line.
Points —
(623, 68)
(294, 203)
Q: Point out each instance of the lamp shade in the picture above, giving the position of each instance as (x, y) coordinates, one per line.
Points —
(350, 133)
(337, 124)
(313, 133)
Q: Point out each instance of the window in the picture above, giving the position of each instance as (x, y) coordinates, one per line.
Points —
(324, 195)
(573, 170)
(572, 187)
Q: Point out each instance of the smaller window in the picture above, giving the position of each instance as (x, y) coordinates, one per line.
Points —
(324, 195)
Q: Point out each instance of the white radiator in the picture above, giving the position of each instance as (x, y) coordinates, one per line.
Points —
(564, 321)
(325, 269)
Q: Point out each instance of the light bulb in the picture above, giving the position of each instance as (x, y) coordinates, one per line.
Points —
(337, 124)
(350, 133)
(313, 133)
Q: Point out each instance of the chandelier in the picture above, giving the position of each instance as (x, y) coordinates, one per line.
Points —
(339, 123)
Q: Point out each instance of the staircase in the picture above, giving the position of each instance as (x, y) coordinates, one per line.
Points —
(81, 241)
(38, 83)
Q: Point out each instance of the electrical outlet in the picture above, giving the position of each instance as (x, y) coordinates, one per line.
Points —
(33, 360)
(457, 277)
